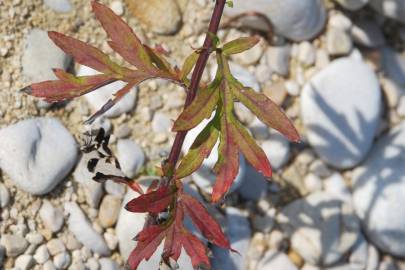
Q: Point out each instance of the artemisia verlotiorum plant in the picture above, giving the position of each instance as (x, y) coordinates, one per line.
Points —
(167, 198)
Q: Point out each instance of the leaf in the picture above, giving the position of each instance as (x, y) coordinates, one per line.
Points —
(188, 65)
(208, 226)
(100, 177)
(240, 45)
(227, 166)
(159, 60)
(199, 150)
(195, 249)
(123, 39)
(252, 152)
(172, 247)
(267, 111)
(153, 202)
(87, 55)
(148, 241)
(201, 108)
(68, 88)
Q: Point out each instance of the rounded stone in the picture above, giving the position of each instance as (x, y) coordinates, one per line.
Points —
(340, 124)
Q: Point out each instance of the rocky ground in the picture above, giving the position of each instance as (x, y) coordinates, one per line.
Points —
(336, 199)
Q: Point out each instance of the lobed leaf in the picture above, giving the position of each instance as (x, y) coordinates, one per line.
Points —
(123, 39)
(240, 45)
(148, 241)
(208, 226)
(195, 249)
(153, 202)
(68, 88)
(199, 150)
(87, 55)
(267, 111)
(172, 246)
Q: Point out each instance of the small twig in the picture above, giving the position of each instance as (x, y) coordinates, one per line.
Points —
(195, 79)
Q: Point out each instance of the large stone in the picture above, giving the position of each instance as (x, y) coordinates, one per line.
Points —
(40, 56)
(51, 216)
(393, 64)
(294, 19)
(340, 124)
(59, 5)
(379, 185)
(352, 4)
(160, 16)
(14, 244)
(37, 154)
(321, 222)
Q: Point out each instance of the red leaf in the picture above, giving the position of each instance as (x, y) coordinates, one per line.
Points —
(87, 55)
(252, 152)
(172, 246)
(208, 226)
(123, 39)
(149, 240)
(153, 202)
(267, 111)
(227, 166)
(195, 249)
(68, 88)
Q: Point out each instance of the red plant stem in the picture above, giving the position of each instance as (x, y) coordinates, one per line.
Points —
(196, 78)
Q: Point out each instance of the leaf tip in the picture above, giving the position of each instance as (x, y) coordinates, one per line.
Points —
(26, 90)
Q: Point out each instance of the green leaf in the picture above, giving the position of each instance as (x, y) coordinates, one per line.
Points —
(267, 111)
(240, 45)
(214, 38)
(188, 65)
(199, 150)
(229, 3)
(201, 108)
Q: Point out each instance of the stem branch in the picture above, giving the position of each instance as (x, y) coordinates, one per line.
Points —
(196, 78)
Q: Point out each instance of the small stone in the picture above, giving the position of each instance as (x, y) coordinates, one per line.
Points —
(161, 123)
(329, 239)
(306, 53)
(41, 254)
(55, 246)
(41, 55)
(265, 223)
(155, 103)
(276, 260)
(352, 4)
(130, 156)
(167, 11)
(393, 9)
(123, 131)
(319, 168)
(4, 196)
(72, 243)
(393, 64)
(111, 240)
(15, 245)
(313, 182)
(24, 262)
(93, 190)
(83, 230)
(367, 33)
(338, 42)
(293, 88)
(108, 264)
(109, 210)
(341, 21)
(62, 260)
(251, 56)
(49, 266)
(335, 185)
(34, 238)
(401, 107)
(391, 91)
(51, 217)
(278, 58)
(92, 264)
(259, 130)
(59, 5)
(36, 139)
(115, 189)
(117, 7)
(277, 92)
